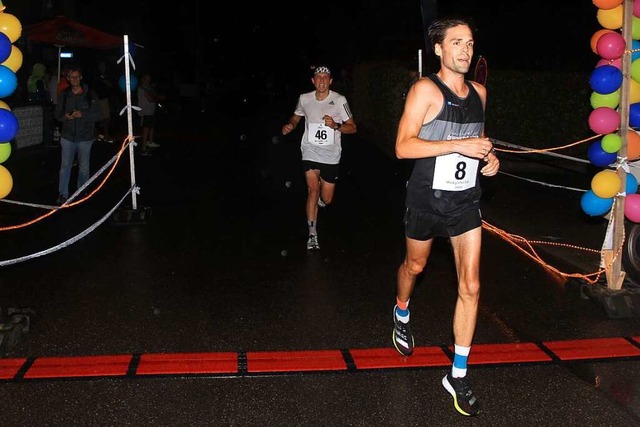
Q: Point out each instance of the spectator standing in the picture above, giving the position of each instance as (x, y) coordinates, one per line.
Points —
(38, 94)
(54, 93)
(37, 91)
(148, 99)
(104, 88)
(78, 111)
(63, 83)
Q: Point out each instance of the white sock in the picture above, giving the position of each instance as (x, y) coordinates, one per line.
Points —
(312, 227)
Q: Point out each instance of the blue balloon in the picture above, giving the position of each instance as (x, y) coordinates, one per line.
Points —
(8, 82)
(133, 81)
(5, 47)
(635, 49)
(634, 115)
(606, 79)
(631, 186)
(594, 205)
(599, 157)
(8, 125)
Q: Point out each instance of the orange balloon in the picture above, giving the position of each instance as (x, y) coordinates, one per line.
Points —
(611, 18)
(14, 61)
(596, 36)
(633, 145)
(4, 105)
(607, 4)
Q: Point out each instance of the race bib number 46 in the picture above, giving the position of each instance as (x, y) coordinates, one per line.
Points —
(455, 172)
(319, 134)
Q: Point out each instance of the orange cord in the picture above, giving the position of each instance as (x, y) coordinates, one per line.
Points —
(77, 202)
(526, 246)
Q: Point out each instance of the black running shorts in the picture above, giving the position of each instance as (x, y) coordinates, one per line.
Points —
(328, 173)
(425, 225)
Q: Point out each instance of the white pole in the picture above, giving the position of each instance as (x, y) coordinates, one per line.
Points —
(59, 59)
(127, 77)
(420, 62)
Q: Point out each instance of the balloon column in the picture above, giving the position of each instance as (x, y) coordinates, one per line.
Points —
(10, 62)
(606, 82)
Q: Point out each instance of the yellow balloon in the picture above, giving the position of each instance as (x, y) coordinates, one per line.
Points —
(14, 61)
(634, 91)
(6, 182)
(4, 105)
(605, 184)
(611, 18)
(5, 151)
(10, 26)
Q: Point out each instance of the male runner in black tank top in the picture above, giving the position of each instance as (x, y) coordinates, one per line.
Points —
(442, 128)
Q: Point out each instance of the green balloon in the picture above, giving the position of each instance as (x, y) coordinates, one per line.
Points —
(5, 151)
(611, 143)
(635, 27)
(611, 100)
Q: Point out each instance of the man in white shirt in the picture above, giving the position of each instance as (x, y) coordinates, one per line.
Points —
(327, 116)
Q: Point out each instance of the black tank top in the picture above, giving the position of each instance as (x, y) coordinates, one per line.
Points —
(459, 118)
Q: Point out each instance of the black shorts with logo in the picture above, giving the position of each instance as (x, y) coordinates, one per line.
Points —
(328, 173)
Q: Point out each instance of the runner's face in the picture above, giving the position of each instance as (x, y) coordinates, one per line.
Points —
(456, 51)
(322, 81)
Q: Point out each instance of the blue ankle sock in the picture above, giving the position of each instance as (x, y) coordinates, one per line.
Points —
(402, 313)
(460, 357)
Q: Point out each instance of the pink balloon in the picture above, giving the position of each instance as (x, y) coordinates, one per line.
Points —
(611, 45)
(632, 207)
(604, 120)
(636, 9)
(615, 62)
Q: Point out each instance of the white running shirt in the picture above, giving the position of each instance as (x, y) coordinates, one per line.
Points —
(320, 143)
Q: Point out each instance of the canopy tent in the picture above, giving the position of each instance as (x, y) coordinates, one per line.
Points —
(62, 31)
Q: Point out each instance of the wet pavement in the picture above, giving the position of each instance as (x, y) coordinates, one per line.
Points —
(218, 271)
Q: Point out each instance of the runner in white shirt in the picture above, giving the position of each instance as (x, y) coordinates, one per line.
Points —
(327, 116)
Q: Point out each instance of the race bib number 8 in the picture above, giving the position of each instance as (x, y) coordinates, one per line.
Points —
(319, 134)
(455, 172)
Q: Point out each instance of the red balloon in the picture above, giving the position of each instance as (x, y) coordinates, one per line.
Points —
(611, 45)
(615, 62)
(596, 36)
(604, 120)
(632, 207)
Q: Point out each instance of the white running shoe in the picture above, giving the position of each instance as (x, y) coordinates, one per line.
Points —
(312, 242)
(152, 144)
(321, 202)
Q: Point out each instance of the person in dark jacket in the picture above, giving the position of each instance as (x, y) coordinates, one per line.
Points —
(78, 111)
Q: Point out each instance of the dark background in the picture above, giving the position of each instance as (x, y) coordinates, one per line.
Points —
(203, 41)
